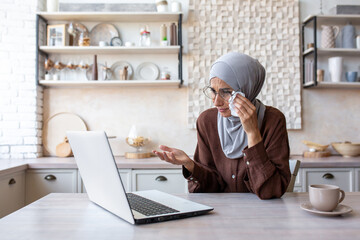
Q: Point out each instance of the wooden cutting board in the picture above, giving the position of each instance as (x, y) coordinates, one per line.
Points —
(320, 154)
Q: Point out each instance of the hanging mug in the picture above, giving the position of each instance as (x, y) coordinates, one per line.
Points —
(328, 36)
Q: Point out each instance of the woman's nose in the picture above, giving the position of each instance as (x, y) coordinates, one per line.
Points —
(218, 101)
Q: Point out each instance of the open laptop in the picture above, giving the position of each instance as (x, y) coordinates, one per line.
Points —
(103, 184)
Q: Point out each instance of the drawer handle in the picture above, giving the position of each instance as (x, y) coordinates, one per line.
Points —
(161, 179)
(12, 181)
(328, 176)
(50, 177)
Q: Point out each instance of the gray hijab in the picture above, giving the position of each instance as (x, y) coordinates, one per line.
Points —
(247, 75)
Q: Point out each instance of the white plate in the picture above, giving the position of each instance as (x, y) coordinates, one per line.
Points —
(118, 66)
(147, 71)
(339, 210)
(55, 129)
(103, 32)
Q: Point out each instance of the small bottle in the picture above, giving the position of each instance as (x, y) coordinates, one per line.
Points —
(163, 35)
(173, 34)
(95, 69)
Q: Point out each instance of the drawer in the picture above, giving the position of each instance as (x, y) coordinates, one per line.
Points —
(125, 175)
(357, 180)
(12, 193)
(39, 183)
(342, 177)
(170, 181)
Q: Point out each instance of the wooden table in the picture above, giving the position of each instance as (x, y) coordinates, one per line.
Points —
(236, 216)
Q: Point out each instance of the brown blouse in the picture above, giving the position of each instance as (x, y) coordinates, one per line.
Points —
(263, 170)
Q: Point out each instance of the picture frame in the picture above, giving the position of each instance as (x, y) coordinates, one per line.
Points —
(57, 35)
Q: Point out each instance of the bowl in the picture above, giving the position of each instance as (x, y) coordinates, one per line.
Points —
(316, 146)
(347, 149)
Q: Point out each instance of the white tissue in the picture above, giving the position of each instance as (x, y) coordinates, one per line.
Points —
(231, 105)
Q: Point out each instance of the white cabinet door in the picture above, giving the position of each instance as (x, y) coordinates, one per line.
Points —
(42, 182)
(125, 175)
(12, 192)
(342, 177)
(357, 180)
(170, 180)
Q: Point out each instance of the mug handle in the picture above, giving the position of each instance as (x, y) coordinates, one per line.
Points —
(342, 195)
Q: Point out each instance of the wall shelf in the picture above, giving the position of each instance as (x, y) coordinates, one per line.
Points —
(109, 83)
(333, 51)
(335, 85)
(111, 50)
(110, 16)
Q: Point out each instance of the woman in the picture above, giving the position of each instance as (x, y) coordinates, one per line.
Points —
(248, 152)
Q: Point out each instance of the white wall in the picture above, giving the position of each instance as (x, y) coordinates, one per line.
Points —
(20, 98)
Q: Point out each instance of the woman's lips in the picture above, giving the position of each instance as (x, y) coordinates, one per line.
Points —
(223, 109)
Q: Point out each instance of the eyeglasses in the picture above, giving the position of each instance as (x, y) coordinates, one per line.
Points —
(225, 93)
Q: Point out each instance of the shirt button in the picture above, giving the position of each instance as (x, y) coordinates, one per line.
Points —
(196, 181)
(244, 154)
(191, 178)
(247, 163)
(233, 176)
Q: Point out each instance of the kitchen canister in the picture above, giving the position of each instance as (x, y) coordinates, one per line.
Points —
(348, 36)
(358, 41)
(161, 5)
(335, 68)
(328, 36)
(52, 5)
(175, 6)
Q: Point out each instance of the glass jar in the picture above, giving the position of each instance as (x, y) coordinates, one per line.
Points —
(84, 40)
(165, 74)
(145, 40)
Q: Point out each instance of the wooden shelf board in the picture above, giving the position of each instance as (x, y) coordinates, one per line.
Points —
(110, 83)
(342, 19)
(111, 50)
(334, 51)
(111, 16)
(339, 85)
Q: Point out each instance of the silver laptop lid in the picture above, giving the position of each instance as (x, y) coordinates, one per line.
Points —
(98, 170)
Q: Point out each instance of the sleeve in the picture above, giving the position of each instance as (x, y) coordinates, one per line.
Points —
(267, 165)
(205, 177)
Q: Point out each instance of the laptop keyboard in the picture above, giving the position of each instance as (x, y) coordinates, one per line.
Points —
(147, 207)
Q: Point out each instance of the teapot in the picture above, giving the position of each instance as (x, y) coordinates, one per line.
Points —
(328, 35)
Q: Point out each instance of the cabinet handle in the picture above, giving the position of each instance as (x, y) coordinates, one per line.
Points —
(161, 179)
(50, 177)
(12, 181)
(328, 176)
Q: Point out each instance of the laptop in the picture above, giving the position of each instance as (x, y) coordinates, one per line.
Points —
(104, 187)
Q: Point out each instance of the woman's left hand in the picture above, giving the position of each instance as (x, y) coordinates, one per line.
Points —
(248, 117)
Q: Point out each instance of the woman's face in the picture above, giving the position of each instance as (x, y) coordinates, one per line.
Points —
(220, 103)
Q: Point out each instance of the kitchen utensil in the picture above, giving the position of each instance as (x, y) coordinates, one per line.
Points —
(340, 210)
(335, 68)
(347, 149)
(103, 32)
(325, 197)
(147, 71)
(351, 76)
(63, 149)
(328, 36)
(316, 146)
(348, 34)
(55, 127)
(89, 72)
(161, 5)
(119, 65)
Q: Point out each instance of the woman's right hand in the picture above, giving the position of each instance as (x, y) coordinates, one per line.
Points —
(175, 156)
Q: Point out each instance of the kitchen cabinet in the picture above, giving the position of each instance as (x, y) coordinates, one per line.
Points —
(170, 181)
(166, 180)
(125, 175)
(41, 182)
(154, 52)
(346, 178)
(12, 192)
(357, 179)
(315, 57)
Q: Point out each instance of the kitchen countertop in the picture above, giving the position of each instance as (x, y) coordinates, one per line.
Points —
(14, 165)
(235, 216)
